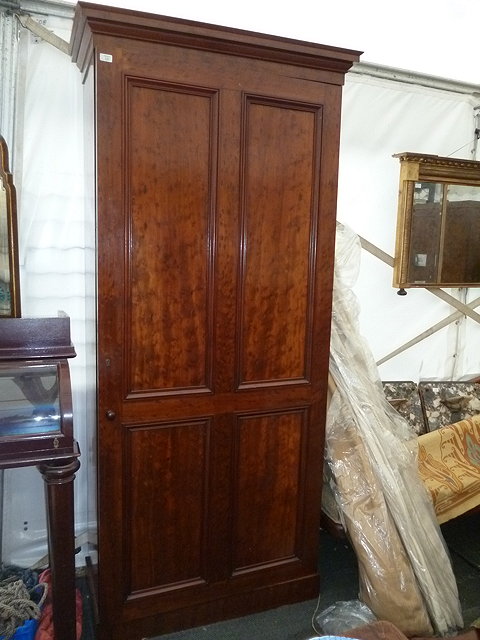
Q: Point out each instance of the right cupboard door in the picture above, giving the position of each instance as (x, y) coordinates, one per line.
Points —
(216, 179)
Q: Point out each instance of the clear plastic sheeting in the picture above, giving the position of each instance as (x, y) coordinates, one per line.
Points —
(343, 616)
(405, 571)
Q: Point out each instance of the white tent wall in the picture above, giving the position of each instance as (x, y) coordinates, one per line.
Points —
(381, 116)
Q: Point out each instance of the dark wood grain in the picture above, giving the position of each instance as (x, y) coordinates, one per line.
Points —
(171, 179)
(278, 241)
(268, 489)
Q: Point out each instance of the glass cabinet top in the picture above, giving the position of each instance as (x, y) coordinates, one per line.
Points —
(29, 400)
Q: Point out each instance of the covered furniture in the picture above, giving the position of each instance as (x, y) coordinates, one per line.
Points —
(448, 453)
(383, 630)
(449, 465)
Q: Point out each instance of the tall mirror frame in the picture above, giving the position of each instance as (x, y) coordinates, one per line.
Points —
(438, 222)
(9, 263)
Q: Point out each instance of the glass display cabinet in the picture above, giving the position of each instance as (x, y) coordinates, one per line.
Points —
(36, 429)
(438, 223)
(35, 418)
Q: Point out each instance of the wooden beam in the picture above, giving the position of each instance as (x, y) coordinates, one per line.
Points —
(462, 309)
(436, 327)
(465, 310)
(376, 251)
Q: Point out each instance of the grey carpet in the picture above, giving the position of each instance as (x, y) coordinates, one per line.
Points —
(339, 581)
(463, 540)
(291, 622)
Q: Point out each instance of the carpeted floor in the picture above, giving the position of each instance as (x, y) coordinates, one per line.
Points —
(339, 582)
(463, 539)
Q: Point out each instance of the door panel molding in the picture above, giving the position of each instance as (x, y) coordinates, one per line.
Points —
(171, 172)
(165, 522)
(279, 221)
(268, 487)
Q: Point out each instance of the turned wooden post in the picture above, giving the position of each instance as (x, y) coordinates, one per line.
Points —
(58, 477)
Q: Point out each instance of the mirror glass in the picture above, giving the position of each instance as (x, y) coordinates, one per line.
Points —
(445, 234)
(9, 270)
(438, 223)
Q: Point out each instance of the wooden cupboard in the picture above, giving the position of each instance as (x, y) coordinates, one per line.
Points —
(216, 171)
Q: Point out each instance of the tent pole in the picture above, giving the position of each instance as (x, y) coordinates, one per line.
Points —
(436, 327)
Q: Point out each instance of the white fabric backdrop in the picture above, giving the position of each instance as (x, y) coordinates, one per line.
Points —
(431, 36)
(380, 118)
(50, 188)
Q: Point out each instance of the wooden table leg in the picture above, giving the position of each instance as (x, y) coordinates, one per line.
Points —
(59, 477)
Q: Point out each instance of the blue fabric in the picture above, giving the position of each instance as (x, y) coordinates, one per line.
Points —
(330, 638)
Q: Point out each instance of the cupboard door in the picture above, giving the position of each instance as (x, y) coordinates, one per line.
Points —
(214, 288)
(216, 180)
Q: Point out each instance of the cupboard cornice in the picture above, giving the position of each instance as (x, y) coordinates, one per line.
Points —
(99, 20)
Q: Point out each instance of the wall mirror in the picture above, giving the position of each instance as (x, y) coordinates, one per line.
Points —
(9, 266)
(438, 222)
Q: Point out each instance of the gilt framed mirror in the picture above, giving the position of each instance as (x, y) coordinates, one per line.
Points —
(438, 222)
(9, 265)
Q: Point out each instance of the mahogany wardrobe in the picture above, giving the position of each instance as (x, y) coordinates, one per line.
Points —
(216, 154)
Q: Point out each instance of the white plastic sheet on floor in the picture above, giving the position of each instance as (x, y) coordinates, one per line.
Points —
(404, 565)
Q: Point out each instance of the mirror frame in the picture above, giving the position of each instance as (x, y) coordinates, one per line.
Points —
(12, 231)
(415, 167)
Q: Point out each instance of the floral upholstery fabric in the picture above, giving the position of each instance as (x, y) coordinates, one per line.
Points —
(449, 465)
(444, 403)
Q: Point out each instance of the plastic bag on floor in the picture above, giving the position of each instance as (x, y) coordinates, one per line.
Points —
(342, 616)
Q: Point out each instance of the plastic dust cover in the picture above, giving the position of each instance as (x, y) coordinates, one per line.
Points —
(405, 571)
